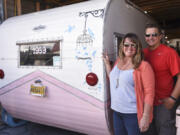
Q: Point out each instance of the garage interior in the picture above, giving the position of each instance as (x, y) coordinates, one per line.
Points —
(165, 12)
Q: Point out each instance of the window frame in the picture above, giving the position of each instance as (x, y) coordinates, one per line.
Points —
(20, 43)
(116, 37)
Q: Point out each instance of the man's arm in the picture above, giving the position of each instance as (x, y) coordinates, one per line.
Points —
(169, 102)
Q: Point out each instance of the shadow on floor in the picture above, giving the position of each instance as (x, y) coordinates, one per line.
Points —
(33, 129)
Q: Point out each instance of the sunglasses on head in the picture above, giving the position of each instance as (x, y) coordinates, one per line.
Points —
(128, 45)
(153, 35)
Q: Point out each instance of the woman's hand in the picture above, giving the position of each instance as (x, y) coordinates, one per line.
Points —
(144, 123)
(107, 63)
(106, 58)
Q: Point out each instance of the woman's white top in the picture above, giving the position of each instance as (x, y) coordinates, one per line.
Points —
(123, 98)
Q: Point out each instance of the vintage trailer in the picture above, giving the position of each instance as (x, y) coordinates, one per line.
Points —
(52, 63)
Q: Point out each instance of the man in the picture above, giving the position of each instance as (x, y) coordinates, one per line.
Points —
(166, 65)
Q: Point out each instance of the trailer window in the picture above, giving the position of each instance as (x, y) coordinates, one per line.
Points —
(40, 54)
(117, 40)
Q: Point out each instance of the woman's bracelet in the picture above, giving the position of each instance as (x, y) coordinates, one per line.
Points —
(173, 98)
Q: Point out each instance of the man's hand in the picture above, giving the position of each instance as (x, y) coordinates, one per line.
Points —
(168, 102)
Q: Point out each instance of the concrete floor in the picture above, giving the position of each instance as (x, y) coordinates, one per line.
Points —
(33, 129)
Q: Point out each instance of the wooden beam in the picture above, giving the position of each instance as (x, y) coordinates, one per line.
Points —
(38, 6)
(173, 33)
(47, 6)
(19, 7)
(5, 9)
(70, 2)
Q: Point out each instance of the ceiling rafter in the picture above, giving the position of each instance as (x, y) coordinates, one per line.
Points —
(162, 7)
(67, 2)
(165, 12)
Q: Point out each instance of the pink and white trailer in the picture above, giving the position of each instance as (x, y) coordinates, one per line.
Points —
(52, 63)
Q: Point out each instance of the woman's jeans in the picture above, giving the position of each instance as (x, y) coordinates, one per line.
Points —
(125, 124)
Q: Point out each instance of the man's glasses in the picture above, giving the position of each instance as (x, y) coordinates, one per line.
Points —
(128, 45)
(153, 35)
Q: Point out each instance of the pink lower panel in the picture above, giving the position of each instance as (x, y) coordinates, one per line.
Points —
(63, 106)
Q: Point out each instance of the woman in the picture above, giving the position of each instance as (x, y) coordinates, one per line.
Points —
(132, 88)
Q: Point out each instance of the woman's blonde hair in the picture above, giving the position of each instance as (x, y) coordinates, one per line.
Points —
(138, 57)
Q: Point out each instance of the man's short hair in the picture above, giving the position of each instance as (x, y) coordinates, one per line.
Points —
(154, 25)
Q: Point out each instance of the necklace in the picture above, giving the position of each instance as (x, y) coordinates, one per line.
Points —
(117, 83)
(124, 66)
(121, 67)
(117, 79)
